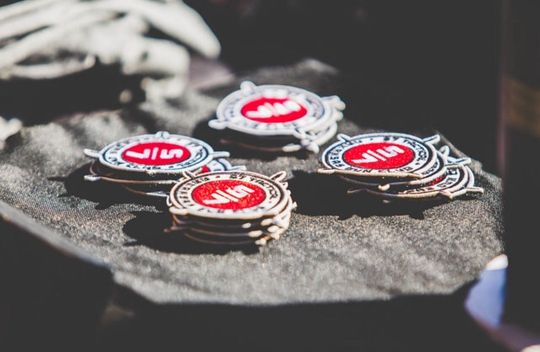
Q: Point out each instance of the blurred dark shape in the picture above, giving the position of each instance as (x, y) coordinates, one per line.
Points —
(40, 100)
(521, 116)
(410, 64)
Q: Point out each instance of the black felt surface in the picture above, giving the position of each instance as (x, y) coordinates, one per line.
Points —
(337, 249)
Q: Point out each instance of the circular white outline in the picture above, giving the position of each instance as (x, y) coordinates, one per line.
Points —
(413, 169)
(439, 167)
(459, 187)
(114, 151)
(278, 220)
(244, 214)
(234, 120)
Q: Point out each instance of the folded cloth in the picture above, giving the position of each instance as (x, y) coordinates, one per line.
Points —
(337, 248)
(54, 39)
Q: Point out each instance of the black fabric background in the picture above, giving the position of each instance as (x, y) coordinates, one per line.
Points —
(338, 254)
(337, 248)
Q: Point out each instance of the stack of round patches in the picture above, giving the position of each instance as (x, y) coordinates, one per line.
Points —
(151, 164)
(398, 166)
(277, 118)
(231, 207)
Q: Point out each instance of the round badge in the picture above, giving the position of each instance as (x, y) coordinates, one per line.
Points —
(381, 155)
(455, 182)
(158, 153)
(275, 110)
(229, 195)
(281, 220)
(437, 170)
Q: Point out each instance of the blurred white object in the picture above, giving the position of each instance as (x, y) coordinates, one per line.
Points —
(485, 304)
(8, 128)
(47, 39)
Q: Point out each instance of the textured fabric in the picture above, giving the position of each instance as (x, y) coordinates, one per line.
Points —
(337, 248)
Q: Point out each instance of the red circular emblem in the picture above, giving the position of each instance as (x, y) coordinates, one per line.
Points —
(156, 153)
(273, 110)
(229, 194)
(380, 155)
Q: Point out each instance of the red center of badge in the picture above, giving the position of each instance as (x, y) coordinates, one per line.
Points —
(229, 194)
(273, 110)
(383, 155)
(156, 153)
